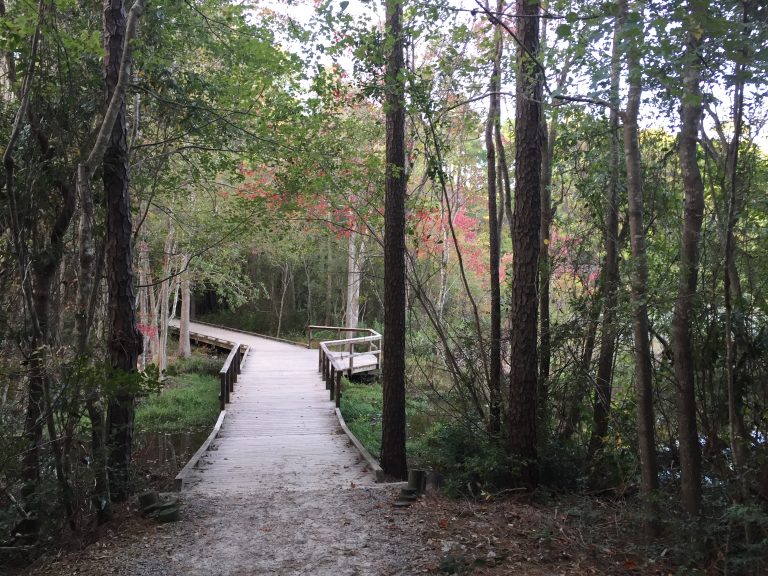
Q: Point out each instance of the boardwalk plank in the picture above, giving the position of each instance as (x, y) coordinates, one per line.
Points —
(280, 431)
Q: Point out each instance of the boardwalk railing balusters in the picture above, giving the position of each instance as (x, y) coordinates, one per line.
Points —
(339, 357)
(228, 374)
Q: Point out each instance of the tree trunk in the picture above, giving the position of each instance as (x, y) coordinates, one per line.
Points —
(549, 137)
(526, 225)
(125, 342)
(284, 283)
(642, 350)
(494, 383)
(731, 283)
(682, 319)
(393, 459)
(354, 266)
(603, 391)
(185, 346)
(143, 303)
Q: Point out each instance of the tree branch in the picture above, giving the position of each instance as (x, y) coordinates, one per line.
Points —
(102, 139)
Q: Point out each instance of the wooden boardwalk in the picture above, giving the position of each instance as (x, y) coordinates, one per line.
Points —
(280, 431)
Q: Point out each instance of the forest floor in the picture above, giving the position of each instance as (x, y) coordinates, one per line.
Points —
(358, 530)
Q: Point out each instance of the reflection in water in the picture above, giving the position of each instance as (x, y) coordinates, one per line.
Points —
(159, 457)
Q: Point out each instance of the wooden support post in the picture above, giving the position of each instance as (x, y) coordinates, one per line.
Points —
(338, 388)
(223, 390)
(332, 380)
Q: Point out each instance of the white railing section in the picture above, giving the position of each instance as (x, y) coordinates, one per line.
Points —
(346, 355)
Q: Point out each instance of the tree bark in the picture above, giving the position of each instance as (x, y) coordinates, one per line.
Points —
(185, 346)
(682, 319)
(494, 252)
(125, 341)
(610, 282)
(526, 225)
(642, 349)
(393, 458)
(739, 436)
(354, 277)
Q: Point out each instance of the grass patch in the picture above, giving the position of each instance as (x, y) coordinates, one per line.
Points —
(361, 406)
(188, 402)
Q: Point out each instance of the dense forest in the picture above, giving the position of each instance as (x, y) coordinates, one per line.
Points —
(556, 213)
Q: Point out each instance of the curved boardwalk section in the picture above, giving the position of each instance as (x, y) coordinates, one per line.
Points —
(280, 431)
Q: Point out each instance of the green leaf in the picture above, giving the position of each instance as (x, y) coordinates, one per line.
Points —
(563, 31)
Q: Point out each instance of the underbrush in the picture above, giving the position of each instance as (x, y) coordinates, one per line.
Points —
(361, 406)
(189, 402)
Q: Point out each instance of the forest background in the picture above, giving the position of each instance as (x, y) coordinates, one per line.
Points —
(585, 220)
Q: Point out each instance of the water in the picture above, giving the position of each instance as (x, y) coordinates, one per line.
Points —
(159, 457)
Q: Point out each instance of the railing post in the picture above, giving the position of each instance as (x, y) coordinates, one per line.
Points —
(223, 390)
(338, 389)
(332, 380)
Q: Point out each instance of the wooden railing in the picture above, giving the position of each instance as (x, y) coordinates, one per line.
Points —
(342, 356)
(227, 378)
(229, 372)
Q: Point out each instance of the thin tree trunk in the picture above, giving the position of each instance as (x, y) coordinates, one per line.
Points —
(169, 247)
(682, 319)
(732, 284)
(328, 321)
(143, 299)
(285, 282)
(185, 346)
(354, 264)
(603, 391)
(494, 252)
(523, 314)
(649, 482)
(445, 255)
(393, 459)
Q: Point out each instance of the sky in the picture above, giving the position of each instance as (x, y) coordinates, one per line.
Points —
(303, 10)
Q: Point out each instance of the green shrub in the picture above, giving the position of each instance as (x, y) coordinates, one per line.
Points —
(469, 459)
(198, 364)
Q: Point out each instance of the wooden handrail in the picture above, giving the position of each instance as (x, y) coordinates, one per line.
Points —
(337, 329)
(333, 365)
(229, 371)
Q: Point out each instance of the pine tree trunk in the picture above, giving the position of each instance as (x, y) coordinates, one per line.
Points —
(393, 459)
(682, 319)
(525, 239)
(125, 342)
